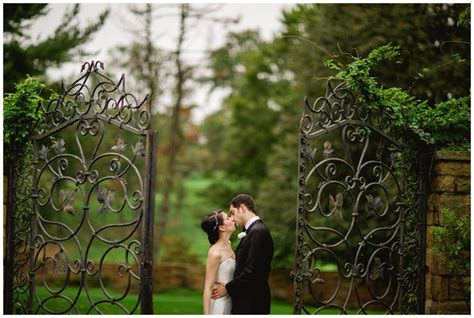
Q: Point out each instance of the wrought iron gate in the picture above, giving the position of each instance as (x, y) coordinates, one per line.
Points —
(360, 238)
(80, 222)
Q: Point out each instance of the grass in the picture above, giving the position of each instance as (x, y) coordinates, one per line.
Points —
(177, 302)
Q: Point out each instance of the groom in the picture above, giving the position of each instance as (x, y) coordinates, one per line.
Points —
(249, 289)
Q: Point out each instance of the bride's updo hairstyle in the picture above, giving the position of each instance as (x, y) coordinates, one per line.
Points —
(210, 224)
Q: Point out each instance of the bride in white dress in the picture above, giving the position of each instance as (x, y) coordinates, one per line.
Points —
(220, 260)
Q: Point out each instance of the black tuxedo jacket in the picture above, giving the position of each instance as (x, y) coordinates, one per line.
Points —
(249, 289)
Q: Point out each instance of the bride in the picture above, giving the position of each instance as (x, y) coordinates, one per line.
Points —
(220, 260)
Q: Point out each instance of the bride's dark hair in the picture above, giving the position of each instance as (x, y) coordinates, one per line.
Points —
(210, 224)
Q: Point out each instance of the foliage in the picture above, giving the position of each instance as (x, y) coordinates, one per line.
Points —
(224, 187)
(452, 243)
(465, 18)
(446, 124)
(21, 111)
(431, 65)
(244, 65)
(279, 211)
(23, 56)
(317, 32)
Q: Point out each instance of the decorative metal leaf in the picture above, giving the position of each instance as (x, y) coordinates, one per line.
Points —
(139, 149)
(335, 205)
(59, 262)
(310, 154)
(66, 199)
(327, 151)
(377, 269)
(374, 204)
(44, 153)
(120, 145)
(59, 146)
(105, 197)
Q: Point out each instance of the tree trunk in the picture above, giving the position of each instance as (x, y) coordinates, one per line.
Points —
(175, 138)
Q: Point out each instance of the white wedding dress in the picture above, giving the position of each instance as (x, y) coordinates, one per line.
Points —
(225, 273)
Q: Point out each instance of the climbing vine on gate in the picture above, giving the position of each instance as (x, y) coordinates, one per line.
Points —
(443, 125)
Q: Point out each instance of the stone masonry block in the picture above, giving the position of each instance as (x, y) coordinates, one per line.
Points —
(460, 168)
(467, 205)
(435, 264)
(429, 237)
(457, 287)
(444, 183)
(450, 155)
(437, 287)
(451, 307)
(455, 202)
(463, 184)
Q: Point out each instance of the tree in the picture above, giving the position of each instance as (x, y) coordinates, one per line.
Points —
(23, 57)
(142, 58)
(433, 66)
(183, 75)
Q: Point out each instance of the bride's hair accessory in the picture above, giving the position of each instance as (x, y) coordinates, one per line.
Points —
(217, 221)
(210, 223)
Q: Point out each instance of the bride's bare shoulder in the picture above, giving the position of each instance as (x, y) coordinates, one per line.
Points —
(214, 253)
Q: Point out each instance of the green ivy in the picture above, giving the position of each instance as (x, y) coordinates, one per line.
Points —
(452, 242)
(445, 125)
(21, 111)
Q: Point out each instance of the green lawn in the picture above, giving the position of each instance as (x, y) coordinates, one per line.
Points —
(178, 301)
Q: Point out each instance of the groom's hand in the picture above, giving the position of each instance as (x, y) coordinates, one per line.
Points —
(219, 290)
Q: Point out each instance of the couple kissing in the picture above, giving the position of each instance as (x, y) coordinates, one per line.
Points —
(237, 283)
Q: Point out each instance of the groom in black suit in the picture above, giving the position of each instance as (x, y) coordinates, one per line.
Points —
(249, 288)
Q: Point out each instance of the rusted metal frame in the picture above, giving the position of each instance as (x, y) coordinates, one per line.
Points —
(8, 263)
(300, 214)
(417, 207)
(146, 273)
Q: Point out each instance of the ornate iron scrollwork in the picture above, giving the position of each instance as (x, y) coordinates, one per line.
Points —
(90, 210)
(357, 216)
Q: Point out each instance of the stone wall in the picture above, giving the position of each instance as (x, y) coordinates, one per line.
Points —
(450, 188)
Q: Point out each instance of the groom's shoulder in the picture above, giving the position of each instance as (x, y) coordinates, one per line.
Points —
(260, 226)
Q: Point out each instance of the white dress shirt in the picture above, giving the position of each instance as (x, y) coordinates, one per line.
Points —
(251, 221)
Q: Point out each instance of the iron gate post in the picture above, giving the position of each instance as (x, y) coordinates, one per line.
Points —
(297, 274)
(146, 279)
(10, 229)
(422, 197)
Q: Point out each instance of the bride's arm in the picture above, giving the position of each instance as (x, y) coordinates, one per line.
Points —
(211, 276)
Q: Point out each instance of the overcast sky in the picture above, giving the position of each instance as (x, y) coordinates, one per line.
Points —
(265, 17)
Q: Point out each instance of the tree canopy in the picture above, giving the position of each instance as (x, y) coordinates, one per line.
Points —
(23, 56)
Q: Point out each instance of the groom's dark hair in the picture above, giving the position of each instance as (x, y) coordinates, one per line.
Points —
(244, 199)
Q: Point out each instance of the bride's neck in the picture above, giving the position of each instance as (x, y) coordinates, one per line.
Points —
(224, 239)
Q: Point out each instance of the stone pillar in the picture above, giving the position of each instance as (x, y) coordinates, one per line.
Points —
(450, 188)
